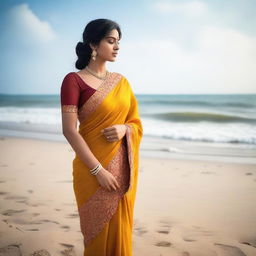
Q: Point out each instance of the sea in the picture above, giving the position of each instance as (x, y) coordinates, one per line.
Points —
(212, 125)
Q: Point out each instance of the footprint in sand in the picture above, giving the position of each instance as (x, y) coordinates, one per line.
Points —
(11, 212)
(65, 227)
(26, 222)
(165, 223)
(42, 252)
(30, 191)
(16, 197)
(35, 204)
(11, 249)
(140, 230)
(72, 215)
(248, 173)
(3, 193)
(251, 242)
(229, 250)
(163, 244)
(52, 221)
(22, 201)
(166, 227)
(32, 229)
(2, 181)
(188, 239)
(4, 165)
(163, 231)
(67, 245)
(185, 254)
(69, 251)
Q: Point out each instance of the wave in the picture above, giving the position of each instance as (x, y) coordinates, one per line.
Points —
(196, 116)
(196, 103)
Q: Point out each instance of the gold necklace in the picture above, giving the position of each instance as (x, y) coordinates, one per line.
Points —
(95, 74)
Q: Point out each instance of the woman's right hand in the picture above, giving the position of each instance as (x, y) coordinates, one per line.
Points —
(107, 180)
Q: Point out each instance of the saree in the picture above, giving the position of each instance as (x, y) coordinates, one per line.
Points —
(106, 217)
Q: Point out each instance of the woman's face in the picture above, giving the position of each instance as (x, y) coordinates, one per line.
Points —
(109, 46)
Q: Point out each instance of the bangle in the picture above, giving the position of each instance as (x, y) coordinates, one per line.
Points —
(96, 169)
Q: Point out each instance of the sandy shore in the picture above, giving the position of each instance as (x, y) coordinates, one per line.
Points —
(183, 207)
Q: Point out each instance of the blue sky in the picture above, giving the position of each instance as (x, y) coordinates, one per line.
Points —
(169, 47)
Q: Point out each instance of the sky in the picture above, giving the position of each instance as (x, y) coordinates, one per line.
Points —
(167, 47)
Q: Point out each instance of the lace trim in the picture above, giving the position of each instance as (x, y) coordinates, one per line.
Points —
(69, 109)
(97, 211)
(95, 100)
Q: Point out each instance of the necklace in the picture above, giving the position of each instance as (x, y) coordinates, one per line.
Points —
(95, 74)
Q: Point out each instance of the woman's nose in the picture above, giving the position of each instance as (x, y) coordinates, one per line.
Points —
(116, 45)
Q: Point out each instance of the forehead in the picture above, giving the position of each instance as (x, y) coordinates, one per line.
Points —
(113, 34)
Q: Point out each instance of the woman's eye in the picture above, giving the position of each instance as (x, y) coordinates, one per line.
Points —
(113, 42)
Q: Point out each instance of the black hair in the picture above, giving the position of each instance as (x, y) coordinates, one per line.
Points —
(93, 33)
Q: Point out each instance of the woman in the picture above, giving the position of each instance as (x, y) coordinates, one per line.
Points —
(105, 167)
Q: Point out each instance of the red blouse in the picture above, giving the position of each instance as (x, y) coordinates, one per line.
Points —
(74, 91)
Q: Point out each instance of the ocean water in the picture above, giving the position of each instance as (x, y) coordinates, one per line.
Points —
(202, 118)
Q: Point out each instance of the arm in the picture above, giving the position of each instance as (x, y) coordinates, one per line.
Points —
(69, 97)
(69, 130)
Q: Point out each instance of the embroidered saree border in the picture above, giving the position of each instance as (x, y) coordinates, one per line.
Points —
(96, 99)
(97, 211)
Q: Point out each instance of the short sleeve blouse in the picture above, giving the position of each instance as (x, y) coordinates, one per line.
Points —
(74, 93)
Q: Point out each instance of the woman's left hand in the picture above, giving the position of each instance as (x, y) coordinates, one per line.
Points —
(115, 132)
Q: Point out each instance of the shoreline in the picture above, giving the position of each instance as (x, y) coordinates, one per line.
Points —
(151, 146)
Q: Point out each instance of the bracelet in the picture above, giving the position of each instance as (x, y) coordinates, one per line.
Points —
(96, 169)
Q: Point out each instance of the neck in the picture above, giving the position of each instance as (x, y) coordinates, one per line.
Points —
(98, 66)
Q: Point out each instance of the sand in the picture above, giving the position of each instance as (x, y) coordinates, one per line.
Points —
(183, 207)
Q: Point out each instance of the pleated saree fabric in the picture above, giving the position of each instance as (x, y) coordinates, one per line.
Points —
(106, 217)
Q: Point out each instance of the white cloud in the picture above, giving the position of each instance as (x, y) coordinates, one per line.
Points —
(28, 26)
(194, 9)
(223, 61)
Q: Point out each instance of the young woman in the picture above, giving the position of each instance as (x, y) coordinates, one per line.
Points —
(105, 167)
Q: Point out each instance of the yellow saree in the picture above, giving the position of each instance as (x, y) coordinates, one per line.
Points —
(106, 217)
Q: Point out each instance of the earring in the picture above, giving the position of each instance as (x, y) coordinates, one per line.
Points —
(94, 54)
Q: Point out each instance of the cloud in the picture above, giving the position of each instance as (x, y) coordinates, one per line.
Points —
(222, 61)
(25, 24)
(193, 9)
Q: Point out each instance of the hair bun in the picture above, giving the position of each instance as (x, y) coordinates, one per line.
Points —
(80, 44)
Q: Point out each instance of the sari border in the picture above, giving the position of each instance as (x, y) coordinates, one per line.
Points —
(90, 106)
(91, 229)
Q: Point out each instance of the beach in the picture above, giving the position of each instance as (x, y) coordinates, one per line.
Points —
(185, 207)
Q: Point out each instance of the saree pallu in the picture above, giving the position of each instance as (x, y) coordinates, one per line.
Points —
(106, 217)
